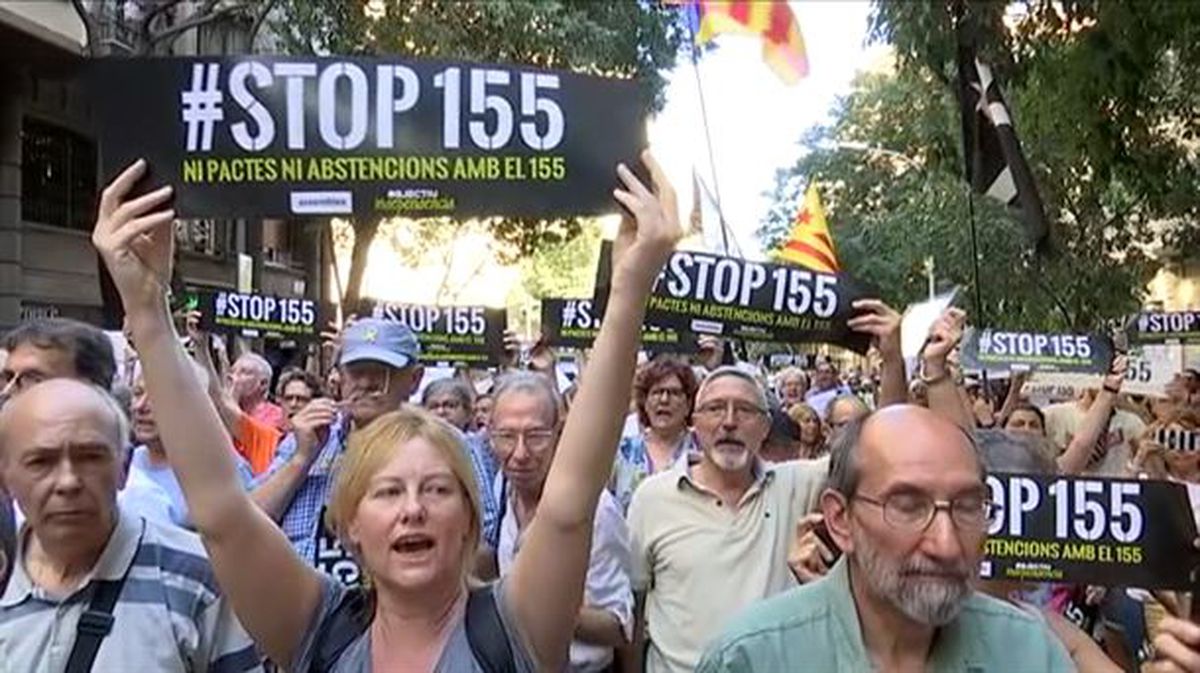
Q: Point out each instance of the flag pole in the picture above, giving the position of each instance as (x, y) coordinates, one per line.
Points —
(712, 161)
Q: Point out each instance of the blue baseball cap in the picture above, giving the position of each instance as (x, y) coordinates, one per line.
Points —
(386, 341)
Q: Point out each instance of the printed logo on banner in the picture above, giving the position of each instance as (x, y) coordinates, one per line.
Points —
(1159, 326)
(247, 136)
(1178, 439)
(740, 299)
(257, 315)
(473, 335)
(574, 323)
(1078, 530)
(1025, 351)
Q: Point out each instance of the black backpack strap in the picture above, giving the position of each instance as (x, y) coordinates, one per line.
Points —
(345, 624)
(95, 624)
(486, 633)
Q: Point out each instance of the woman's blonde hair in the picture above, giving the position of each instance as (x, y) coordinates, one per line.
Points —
(374, 446)
(801, 412)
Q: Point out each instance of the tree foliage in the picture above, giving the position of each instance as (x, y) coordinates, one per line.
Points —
(636, 40)
(1103, 96)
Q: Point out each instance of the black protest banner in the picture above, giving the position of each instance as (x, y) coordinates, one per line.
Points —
(1177, 439)
(1026, 351)
(258, 315)
(1160, 327)
(473, 335)
(256, 136)
(574, 323)
(734, 298)
(1083, 530)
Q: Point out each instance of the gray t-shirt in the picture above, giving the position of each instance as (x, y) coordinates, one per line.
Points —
(456, 657)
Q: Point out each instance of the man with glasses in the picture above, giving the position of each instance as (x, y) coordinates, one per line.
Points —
(710, 535)
(526, 420)
(55, 348)
(379, 372)
(911, 517)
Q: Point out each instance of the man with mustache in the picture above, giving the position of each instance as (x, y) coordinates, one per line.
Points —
(907, 504)
(710, 535)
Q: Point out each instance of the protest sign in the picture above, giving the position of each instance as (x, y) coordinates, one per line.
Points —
(255, 315)
(734, 298)
(1150, 369)
(472, 335)
(985, 349)
(574, 323)
(1178, 439)
(1084, 530)
(257, 136)
(1169, 327)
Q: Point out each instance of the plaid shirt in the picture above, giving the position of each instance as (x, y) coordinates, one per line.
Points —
(301, 521)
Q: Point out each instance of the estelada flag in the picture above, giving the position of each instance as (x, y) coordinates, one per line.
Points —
(810, 245)
(772, 20)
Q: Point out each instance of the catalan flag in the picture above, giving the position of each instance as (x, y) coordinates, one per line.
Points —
(773, 20)
(810, 245)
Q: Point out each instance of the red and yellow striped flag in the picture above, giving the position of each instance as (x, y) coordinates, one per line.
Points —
(773, 20)
(810, 244)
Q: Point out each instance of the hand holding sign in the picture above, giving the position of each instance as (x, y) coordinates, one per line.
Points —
(945, 334)
(135, 241)
(644, 243)
(879, 320)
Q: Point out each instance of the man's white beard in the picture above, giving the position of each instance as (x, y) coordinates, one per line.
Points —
(933, 602)
(730, 461)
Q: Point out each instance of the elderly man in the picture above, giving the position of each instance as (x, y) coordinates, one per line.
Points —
(94, 587)
(710, 535)
(250, 381)
(911, 517)
(526, 420)
(792, 385)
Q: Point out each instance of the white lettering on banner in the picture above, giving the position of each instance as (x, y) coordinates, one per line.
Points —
(501, 104)
(1023, 344)
(265, 309)
(462, 320)
(1183, 321)
(1085, 509)
(737, 282)
(1151, 368)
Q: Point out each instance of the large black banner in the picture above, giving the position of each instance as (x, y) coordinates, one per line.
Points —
(756, 301)
(1077, 530)
(1160, 327)
(254, 136)
(473, 335)
(574, 323)
(1026, 351)
(258, 315)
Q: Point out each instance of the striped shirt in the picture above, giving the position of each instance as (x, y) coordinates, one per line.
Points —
(169, 616)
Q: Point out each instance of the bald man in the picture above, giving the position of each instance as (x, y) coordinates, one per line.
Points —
(907, 504)
(61, 457)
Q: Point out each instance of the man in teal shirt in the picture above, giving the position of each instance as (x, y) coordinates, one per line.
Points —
(907, 503)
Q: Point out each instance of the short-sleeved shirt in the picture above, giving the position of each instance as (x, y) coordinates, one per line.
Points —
(162, 475)
(816, 628)
(701, 561)
(455, 658)
(606, 586)
(169, 615)
(633, 464)
(270, 414)
(255, 441)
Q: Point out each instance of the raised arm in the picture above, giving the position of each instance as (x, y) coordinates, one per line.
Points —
(545, 586)
(1095, 423)
(944, 397)
(272, 591)
(224, 403)
(882, 322)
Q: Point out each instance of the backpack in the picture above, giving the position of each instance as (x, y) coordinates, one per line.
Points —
(485, 632)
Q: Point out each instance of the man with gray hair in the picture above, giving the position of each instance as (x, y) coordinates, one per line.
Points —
(710, 535)
(94, 586)
(250, 382)
(911, 518)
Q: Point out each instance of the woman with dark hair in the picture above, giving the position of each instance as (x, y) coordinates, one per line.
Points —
(664, 392)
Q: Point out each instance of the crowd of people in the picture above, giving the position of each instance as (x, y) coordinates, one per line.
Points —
(675, 513)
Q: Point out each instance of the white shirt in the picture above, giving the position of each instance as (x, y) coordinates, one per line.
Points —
(607, 586)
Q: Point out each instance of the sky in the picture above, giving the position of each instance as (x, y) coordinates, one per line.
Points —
(756, 121)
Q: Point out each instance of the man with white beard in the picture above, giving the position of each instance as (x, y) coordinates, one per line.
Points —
(907, 504)
(710, 535)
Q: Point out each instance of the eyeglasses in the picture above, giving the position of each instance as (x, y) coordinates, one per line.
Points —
(742, 411)
(536, 440)
(913, 512)
(668, 393)
(12, 382)
(450, 405)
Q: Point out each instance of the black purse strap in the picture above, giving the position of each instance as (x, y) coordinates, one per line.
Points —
(486, 633)
(95, 624)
